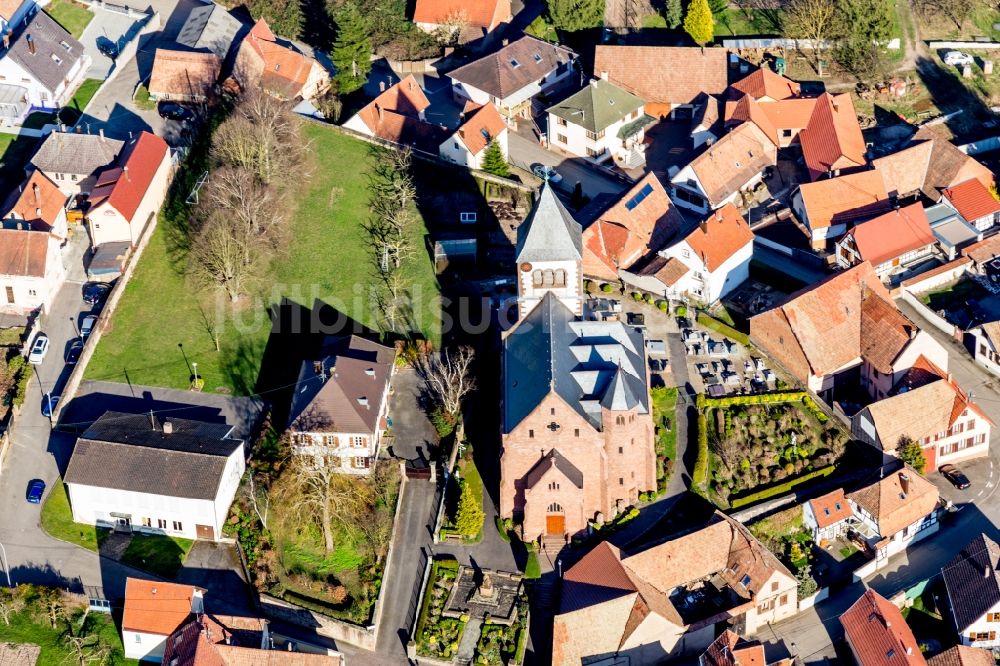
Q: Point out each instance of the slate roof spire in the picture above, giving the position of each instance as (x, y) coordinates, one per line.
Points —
(550, 233)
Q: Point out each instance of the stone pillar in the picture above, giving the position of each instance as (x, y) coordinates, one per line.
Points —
(966, 71)
(987, 67)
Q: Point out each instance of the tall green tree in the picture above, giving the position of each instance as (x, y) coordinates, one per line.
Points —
(574, 15)
(283, 16)
(352, 49)
(674, 13)
(469, 517)
(699, 23)
(718, 7)
(911, 453)
(493, 160)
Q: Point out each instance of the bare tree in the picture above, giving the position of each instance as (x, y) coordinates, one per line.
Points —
(448, 377)
(253, 203)
(317, 491)
(258, 498)
(11, 603)
(815, 20)
(226, 254)
(261, 136)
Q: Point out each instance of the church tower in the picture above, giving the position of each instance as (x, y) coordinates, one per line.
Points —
(549, 255)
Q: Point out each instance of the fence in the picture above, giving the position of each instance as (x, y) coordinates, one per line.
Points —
(989, 46)
(932, 318)
(782, 43)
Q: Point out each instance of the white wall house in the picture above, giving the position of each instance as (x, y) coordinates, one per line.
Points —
(894, 512)
(600, 122)
(986, 350)
(70, 160)
(971, 583)
(549, 256)
(830, 206)
(975, 203)
(153, 611)
(827, 517)
(175, 477)
(891, 242)
(31, 270)
(480, 126)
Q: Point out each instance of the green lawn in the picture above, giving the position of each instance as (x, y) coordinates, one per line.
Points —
(15, 151)
(55, 651)
(955, 294)
(57, 520)
(162, 555)
(142, 99)
(71, 15)
(734, 22)
(664, 402)
(326, 259)
(72, 111)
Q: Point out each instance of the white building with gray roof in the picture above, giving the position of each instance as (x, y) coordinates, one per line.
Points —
(41, 65)
(549, 253)
(70, 159)
(210, 27)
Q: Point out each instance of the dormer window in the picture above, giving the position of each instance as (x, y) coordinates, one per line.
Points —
(538, 57)
(277, 66)
(745, 581)
(56, 59)
(65, 45)
(514, 63)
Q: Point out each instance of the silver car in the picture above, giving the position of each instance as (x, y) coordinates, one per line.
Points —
(39, 349)
(87, 326)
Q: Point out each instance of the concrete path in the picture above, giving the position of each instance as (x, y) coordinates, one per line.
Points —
(467, 646)
(524, 153)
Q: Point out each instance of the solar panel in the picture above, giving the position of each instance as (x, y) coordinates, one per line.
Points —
(646, 190)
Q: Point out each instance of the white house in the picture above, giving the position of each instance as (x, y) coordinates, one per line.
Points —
(600, 122)
(157, 476)
(37, 204)
(827, 517)
(42, 67)
(153, 611)
(549, 255)
(128, 194)
(340, 407)
(70, 159)
(972, 581)
(31, 270)
(894, 511)
(938, 416)
(480, 126)
(891, 242)
(828, 207)
(974, 202)
(509, 78)
(986, 352)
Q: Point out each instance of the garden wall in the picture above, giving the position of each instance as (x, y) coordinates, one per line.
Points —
(989, 46)
(938, 276)
(932, 317)
(810, 601)
(338, 630)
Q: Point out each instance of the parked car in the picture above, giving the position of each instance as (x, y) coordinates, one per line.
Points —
(39, 348)
(955, 476)
(73, 355)
(87, 326)
(957, 58)
(49, 403)
(174, 111)
(544, 171)
(94, 293)
(36, 488)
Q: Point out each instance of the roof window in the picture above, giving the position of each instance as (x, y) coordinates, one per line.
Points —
(56, 59)
(646, 190)
(745, 581)
(837, 505)
(514, 63)
(826, 510)
(538, 57)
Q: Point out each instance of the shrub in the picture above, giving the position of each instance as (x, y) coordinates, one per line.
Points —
(18, 367)
(636, 296)
(469, 517)
(700, 472)
(532, 569)
(649, 298)
(443, 422)
(723, 328)
(663, 306)
(781, 488)
(502, 529)
(681, 311)
(607, 288)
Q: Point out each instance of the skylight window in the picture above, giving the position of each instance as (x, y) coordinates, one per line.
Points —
(611, 102)
(514, 63)
(538, 57)
(745, 581)
(837, 505)
(486, 135)
(826, 510)
(56, 59)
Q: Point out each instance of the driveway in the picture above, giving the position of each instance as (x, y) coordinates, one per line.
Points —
(524, 153)
(414, 437)
(216, 568)
(108, 27)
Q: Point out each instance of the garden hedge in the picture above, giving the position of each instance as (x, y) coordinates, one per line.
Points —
(699, 476)
(781, 488)
(723, 328)
(770, 398)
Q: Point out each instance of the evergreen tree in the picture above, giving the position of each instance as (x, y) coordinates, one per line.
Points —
(493, 160)
(911, 453)
(674, 14)
(469, 517)
(699, 23)
(574, 15)
(352, 49)
(284, 17)
(718, 7)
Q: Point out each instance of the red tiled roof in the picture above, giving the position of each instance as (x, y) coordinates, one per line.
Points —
(125, 185)
(893, 234)
(878, 634)
(730, 649)
(38, 202)
(186, 73)
(721, 235)
(831, 508)
(482, 125)
(644, 71)
(285, 70)
(844, 199)
(984, 250)
(486, 14)
(733, 161)
(789, 113)
(963, 655)
(747, 109)
(972, 200)
(765, 83)
(395, 116)
(23, 253)
(833, 138)
(153, 607)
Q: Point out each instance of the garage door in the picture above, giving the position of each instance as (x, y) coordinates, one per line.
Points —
(206, 532)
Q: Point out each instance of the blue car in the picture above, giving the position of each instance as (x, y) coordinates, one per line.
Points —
(35, 490)
(49, 403)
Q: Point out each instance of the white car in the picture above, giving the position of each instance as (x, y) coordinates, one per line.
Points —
(957, 58)
(546, 172)
(87, 326)
(38, 349)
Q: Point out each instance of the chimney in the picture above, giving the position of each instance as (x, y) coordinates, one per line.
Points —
(100, 132)
(703, 226)
(31, 44)
(318, 367)
(6, 41)
(593, 83)
(505, 42)
(38, 194)
(604, 74)
(904, 483)
(168, 428)
(333, 368)
(833, 102)
(378, 110)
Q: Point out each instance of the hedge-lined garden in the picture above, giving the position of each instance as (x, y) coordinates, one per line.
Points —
(723, 328)
(438, 636)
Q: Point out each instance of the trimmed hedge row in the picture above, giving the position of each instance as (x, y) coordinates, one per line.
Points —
(721, 327)
(781, 488)
(770, 398)
(699, 476)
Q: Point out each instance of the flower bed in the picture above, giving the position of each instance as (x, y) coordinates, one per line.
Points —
(438, 636)
(499, 645)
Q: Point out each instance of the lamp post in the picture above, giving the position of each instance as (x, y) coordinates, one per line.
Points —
(195, 367)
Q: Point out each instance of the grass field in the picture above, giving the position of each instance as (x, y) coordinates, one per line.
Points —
(161, 555)
(15, 151)
(57, 520)
(55, 651)
(326, 259)
(71, 15)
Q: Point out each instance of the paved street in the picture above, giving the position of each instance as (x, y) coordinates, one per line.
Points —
(524, 153)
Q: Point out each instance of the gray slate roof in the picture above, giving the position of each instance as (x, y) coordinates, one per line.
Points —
(972, 580)
(67, 152)
(351, 369)
(550, 233)
(498, 75)
(132, 452)
(597, 106)
(55, 50)
(210, 27)
(554, 459)
(586, 363)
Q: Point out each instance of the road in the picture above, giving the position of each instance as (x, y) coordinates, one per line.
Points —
(524, 152)
(815, 632)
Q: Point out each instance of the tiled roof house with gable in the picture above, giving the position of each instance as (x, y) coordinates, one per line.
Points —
(397, 115)
(731, 649)
(938, 415)
(962, 655)
(878, 635)
(577, 431)
(651, 605)
(127, 194)
(185, 76)
(830, 206)
(972, 581)
(278, 67)
(844, 331)
(37, 204)
(341, 403)
(210, 27)
(70, 160)
(986, 341)
(153, 611)
(472, 19)
(891, 242)
(974, 202)
(481, 124)
(31, 270)
(513, 75)
(827, 517)
(161, 476)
